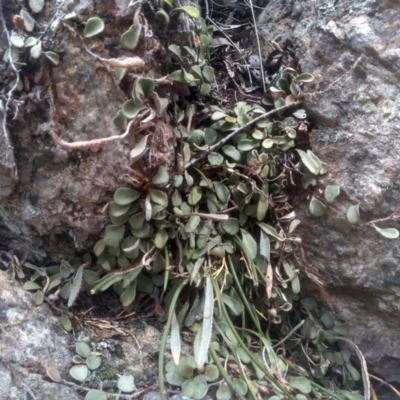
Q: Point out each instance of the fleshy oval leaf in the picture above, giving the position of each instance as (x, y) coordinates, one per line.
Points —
(93, 27)
(388, 233)
(95, 394)
(124, 196)
(126, 383)
(139, 150)
(161, 177)
(353, 214)
(79, 372)
(53, 57)
(130, 38)
(36, 5)
(317, 208)
(331, 192)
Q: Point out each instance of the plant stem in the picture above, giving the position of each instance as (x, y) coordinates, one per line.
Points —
(243, 345)
(242, 295)
(164, 338)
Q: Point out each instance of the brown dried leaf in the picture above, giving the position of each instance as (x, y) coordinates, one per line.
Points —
(19, 23)
(289, 100)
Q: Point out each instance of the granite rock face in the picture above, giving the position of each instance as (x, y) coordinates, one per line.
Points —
(354, 48)
(52, 199)
(32, 339)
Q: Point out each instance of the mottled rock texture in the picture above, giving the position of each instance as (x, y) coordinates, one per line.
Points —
(357, 123)
(31, 340)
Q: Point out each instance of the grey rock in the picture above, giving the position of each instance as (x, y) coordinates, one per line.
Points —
(356, 109)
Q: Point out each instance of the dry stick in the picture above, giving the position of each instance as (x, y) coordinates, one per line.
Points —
(258, 45)
(234, 133)
(233, 44)
(386, 384)
(89, 144)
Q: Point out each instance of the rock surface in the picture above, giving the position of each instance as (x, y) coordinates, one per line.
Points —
(354, 46)
(31, 340)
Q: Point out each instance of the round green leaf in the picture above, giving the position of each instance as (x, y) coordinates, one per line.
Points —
(224, 392)
(161, 177)
(36, 50)
(132, 108)
(331, 192)
(79, 372)
(162, 16)
(139, 150)
(129, 295)
(192, 224)
(66, 323)
(120, 121)
(94, 394)
(30, 41)
(53, 57)
(212, 373)
(93, 362)
(208, 73)
(130, 38)
(161, 239)
(93, 27)
(195, 196)
(159, 197)
(301, 383)
(309, 303)
(388, 233)
(28, 20)
(317, 208)
(124, 196)
(83, 349)
(174, 378)
(116, 210)
(38, 298)
(205, 89)
(17, 41)
(353, 214)
(36, 5)
(143, 88)
(241, 387)
(231, 152)
(301, 114)
(327, 320)
(230, 226)
(113, 235)
(200, 387)
(215, 158)
(126, 384)
(342, 329)
(305, 78)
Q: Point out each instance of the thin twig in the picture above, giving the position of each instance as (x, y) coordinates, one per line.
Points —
(258, 45)
(52, 20)
(234, 133)
(385, 383)
(390, 217)
(233, 44)
(29, 390)
(116, 395)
